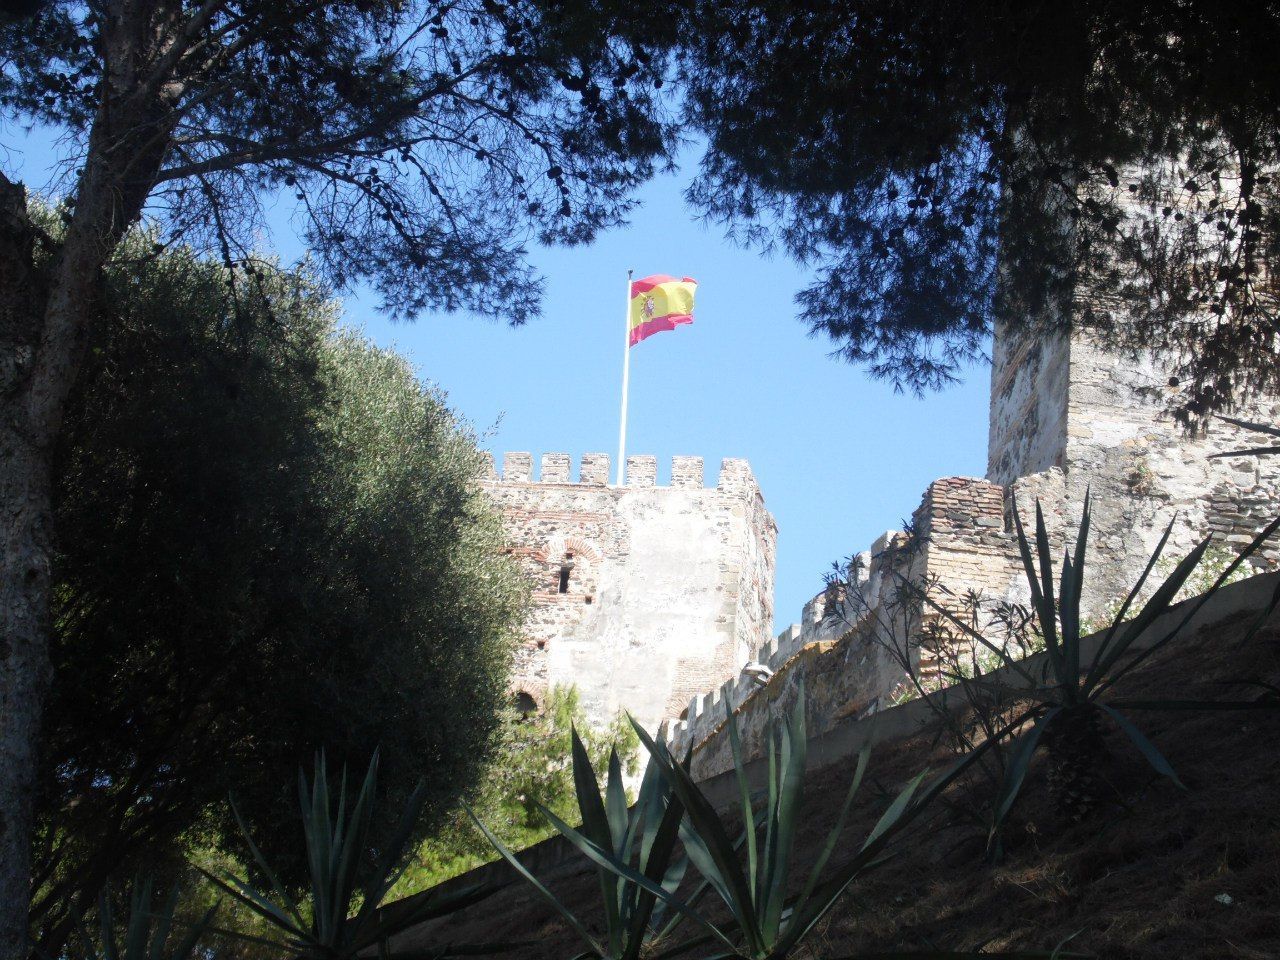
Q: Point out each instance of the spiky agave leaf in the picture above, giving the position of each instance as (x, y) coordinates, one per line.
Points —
(1078, 699)
(751, 905)
(148, 931)
(1262, 428)
(640, 840)
(338, 844)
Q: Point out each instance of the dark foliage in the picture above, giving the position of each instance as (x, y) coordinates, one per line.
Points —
(425, 143)
(271, 543)
(917, 152)
(344, 913)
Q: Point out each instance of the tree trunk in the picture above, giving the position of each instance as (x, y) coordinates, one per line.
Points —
(45, 317)
(25, 486)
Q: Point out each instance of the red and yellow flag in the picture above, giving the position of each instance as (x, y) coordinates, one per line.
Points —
(660, 303)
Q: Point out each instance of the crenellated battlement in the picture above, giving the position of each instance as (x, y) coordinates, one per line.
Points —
(595, 469)
(642, 594)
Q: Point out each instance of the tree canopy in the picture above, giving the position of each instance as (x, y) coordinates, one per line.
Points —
(944, 163)
(272, 543)
(425, 145)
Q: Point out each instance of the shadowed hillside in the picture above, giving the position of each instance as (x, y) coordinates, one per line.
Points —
(1165, 873)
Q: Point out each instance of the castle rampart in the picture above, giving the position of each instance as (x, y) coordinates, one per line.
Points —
(642, 594)
(1067, 417)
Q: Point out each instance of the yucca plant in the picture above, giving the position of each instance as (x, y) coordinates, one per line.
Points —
(642, 837)
(1071, 700)
(764, 922)
(342, 913)
(149, 933)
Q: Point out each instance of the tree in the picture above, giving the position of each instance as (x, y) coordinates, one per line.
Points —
(272, 543)
(531, 767)
(1122, 156)
(425, 144)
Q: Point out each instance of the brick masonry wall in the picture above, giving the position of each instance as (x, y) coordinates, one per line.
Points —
(850, 646)
(667, 587)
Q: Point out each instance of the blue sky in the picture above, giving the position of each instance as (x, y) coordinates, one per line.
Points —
(840, 458)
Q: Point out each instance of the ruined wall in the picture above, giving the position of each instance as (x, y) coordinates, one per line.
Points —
(1102, 418)
(642, 595)
(1028, 410)
(858, 641)
(858, 638)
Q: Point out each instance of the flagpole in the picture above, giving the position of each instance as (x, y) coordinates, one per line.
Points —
(626, 378)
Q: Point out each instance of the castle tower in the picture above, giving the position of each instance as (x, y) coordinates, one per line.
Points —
(1066, 402)
(643, 595)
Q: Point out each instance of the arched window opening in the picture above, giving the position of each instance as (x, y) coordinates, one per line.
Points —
(566, 569)
(525, 704)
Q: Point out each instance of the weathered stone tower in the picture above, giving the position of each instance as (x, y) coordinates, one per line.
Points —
(643, 595)
(1064, 403)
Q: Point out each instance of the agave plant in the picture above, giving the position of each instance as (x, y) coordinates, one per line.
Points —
(1261, 428)
(641, 837)
(148, 933)
(343, 912)
(765, 923)
(1071, 699)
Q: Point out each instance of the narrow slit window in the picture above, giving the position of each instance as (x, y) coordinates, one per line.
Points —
(566, 567)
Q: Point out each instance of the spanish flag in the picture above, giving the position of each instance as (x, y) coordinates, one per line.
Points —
(660, 303)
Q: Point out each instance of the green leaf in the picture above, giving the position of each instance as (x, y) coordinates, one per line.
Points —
(864, 758)
(1246, 452)
(1072, 586)
(616, 803)
(1016, 772)
(1045, 558)
(1148, 749)
(1248, 425)
(595, 823)
(790, 796)
(533, 881)
(1042, 604)
(1160, 602)
(744, 792)
(1194, 607)
(605, 858)
(1099, 657)
(655, 868)
(704, 821)
(889, 819)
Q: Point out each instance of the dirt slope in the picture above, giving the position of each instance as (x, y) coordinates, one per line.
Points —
(1173, 874)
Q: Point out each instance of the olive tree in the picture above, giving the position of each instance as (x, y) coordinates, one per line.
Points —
(271, 543)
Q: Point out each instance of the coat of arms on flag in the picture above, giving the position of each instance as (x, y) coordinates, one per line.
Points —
(660, 303)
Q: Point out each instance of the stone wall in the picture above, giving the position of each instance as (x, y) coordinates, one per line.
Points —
(1144, 470)
(858, 638)
(642, 595)
(1103, 418)
(858, 641)
(1027, 430)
